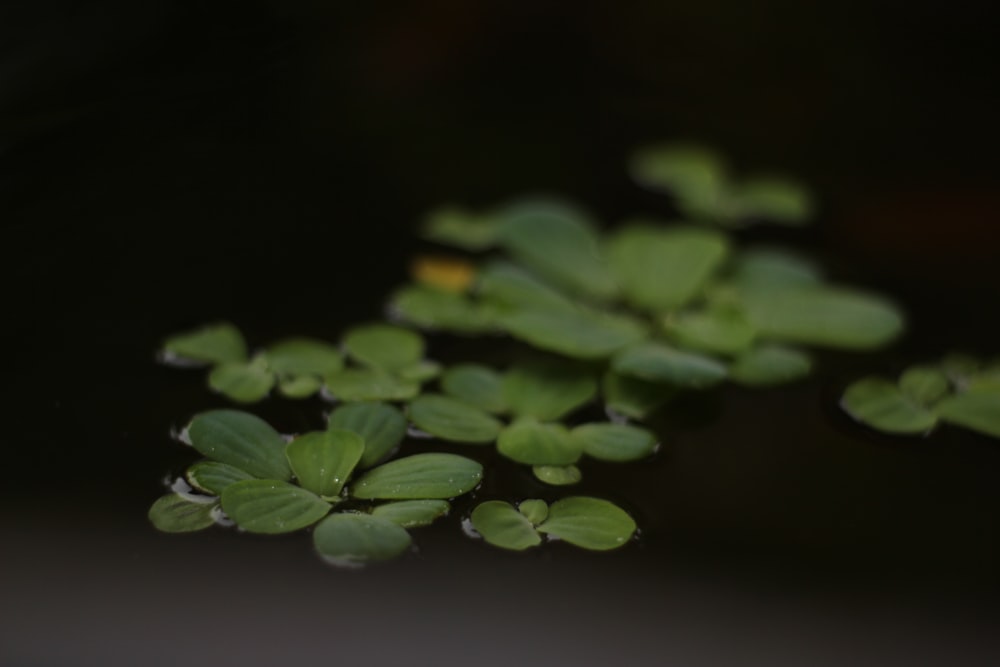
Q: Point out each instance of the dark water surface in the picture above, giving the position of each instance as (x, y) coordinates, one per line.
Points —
(164, 166)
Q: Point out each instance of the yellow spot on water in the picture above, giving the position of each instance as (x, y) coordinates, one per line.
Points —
(448, 273)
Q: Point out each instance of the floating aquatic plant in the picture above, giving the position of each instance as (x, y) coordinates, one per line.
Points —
(626, 319)
(959, 390)
(254, 478)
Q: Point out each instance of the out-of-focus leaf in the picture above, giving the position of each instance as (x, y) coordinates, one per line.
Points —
(924, 384)
(975, 409)
(436, 309)
(303, 356)
(661, 269)
(559, 243)
(557, 475)
(767, 365)
(880, 404)
(718, 330)
(547, 391)
(214, 344)
(384, 347)
(580, 333)
(614, 442)
(534, 443)
(367, 384)
(244, 382)
(451, 419)
(355, 539)
(476, 385)
(632, 397)
(656, 362)
(453, 226)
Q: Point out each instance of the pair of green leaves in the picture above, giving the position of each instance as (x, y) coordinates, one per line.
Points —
(251, 470)
(959, 390)
(704, 191)
(590, 523)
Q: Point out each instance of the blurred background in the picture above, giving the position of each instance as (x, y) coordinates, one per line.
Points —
(168, 163)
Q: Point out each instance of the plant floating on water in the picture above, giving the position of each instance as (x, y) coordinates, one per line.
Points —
(590, 523)
(959, 390)
(629, 318)
(263, 484)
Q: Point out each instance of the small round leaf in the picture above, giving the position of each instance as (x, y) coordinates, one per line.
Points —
(633, 397)
(924, 384)
(536, 511)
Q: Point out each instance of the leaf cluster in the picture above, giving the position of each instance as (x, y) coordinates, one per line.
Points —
(958, 390)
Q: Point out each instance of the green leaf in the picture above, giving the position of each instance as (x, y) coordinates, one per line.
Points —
(826, 316)
(476, 385)
(535, 511)
(590, 523)
(774, 199)
(986, 378)
(412, 513)
(272, 506)
(659, 363)
(559, 243)
(719, 330)
(547, 391)
(422, 371)
(663, 269)
(767, 365)
(774, 266)
(579, 333)
(453, 420)
(214, 344)
(299, 386)
(213, 477)
(633, 397)
(430, 475)
(241, 440)
(304, 356)
(614, 442)
(436, 309)
(557, 475)
(975, 409)
(924, 384)
(880, 404)
(503, 526)
(367, 384)
(511, 287)
(354, 539)
(694, 174)
(322, 461)
(381, 426)
(384, 347)
(458, 228)
(960, 368)
(531, 442)
(243, 382)
(174, 514)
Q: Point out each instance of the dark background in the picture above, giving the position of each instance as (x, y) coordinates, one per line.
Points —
(164, 164)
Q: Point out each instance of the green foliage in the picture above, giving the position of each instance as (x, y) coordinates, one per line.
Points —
(625, 320)
(590, 523)
(959, 390)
